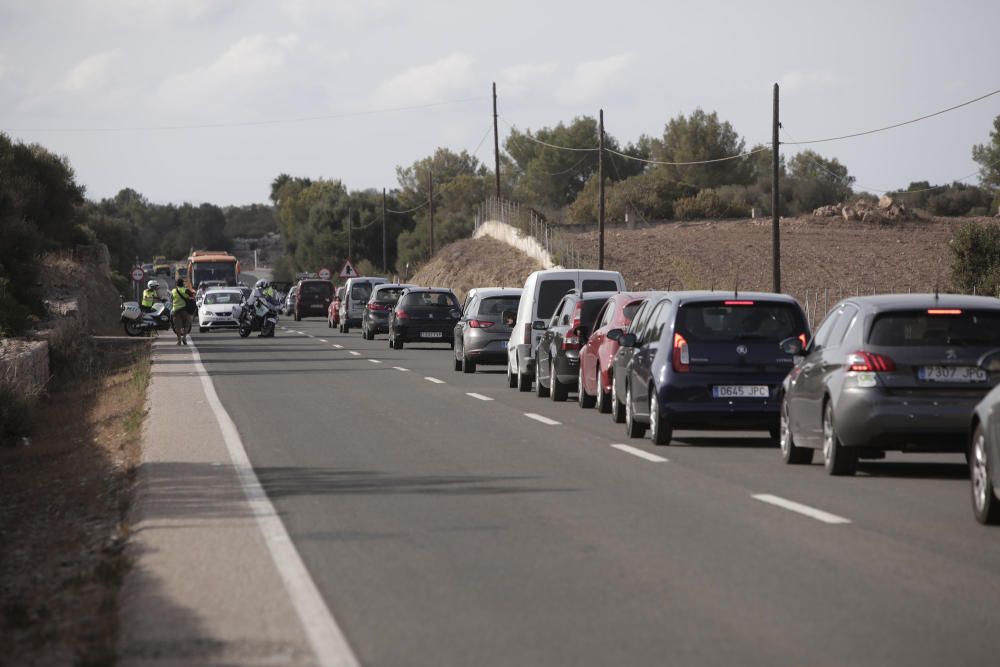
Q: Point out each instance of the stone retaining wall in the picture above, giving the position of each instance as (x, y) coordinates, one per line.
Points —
(514, 237)
(25, 365)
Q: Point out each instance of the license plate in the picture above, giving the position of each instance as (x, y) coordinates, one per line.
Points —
(431, 334)
(952, 374)
(740, 391)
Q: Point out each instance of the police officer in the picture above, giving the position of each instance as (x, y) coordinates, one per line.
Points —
(180, 296)
(149, 296)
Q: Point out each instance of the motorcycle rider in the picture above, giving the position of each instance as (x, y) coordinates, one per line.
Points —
(180, 296)
(262, 291)
(150, 296)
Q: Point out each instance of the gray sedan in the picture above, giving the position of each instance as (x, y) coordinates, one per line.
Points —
(892, 372)
(481, 335)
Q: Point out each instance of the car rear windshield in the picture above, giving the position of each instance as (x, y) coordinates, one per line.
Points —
(495, 305)
(921, 328)
(717, 322)
(631, 309)
(213, 298)
(589, 311)
(318, 288)
(550, 292)
(389, 294)
(361, 291)
(600, 286)
(430, 299)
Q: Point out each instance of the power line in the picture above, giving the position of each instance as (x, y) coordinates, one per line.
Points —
(249, 123)
(895, 125)
(691, 162)
(528, 136)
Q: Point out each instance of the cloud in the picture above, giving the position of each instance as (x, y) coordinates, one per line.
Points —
(594, 79)
(3, 66)
(517, 79)
(428, 83)
(241, 72)
(93, 73)
(160, 12)
(354, 12)
(817, 78)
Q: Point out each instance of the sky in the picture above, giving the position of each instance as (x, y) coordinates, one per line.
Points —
(209, 100)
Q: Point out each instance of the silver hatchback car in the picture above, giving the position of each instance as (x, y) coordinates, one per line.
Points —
(487, 321)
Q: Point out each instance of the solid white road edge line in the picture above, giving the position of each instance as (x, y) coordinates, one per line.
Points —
(635, 451)
(540, 418)
(434, 380)
(401, 369)
(479, 396)
(325, 636)
(799, 508)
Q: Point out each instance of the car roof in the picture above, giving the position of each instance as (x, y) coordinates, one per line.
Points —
(896, 302)
(485, 292)
(382, 286)
(415, 290)
(694, 296)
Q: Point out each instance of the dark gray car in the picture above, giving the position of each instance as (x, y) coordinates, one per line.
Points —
(481, 336)
(891, 372)
(375, 319)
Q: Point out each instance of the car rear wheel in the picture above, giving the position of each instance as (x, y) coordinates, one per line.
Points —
(633, 429)
(369, 334)
(617, 407)
(468, 366)
(837, 459)
(397, 343)
(790, 452)
(523, 382)
(985, 504)
(298, 318)
(660, 430)
(202, 329)
(458, 364)
(541, 391)
(603, 398)
(557, 390)
(511, 378)
(583, 398)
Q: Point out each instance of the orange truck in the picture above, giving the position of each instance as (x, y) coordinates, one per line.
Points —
(212, 265)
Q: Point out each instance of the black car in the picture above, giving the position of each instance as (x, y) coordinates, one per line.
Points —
(557, 359)
(984, 450)
(890, 372)
(375, 318)
(710, 360)
(424, 314)
(312, 298)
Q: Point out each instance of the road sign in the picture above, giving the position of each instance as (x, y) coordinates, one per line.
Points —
(138, 274)
(324, 273)
(348, 270)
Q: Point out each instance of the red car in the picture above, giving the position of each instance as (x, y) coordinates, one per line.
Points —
(333, 312)
(597, 355)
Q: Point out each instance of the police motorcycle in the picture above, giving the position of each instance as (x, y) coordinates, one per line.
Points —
(139, 322)
(257, 313)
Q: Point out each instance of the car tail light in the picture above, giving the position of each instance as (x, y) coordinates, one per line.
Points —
(868, 362)
(682, 356)
(377, 306)
(737, 303)
(480, 324)
(805, 340)
(576, 315)
(571, 341)
(944, 311)
(401, 314)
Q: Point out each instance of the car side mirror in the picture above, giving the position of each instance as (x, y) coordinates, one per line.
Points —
(539, 325)
(627, 340)
(615, 334)
(990, 362)
(792, 346)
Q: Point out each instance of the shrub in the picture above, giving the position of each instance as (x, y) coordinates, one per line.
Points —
(710, 204)
(72, 352)
(975, 262)
(16, 411)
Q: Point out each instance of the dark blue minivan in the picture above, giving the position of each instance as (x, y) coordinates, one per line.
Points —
(710, 360)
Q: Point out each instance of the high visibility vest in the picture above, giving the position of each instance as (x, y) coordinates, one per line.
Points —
(177, 300)
(149, 297)
(269, 292)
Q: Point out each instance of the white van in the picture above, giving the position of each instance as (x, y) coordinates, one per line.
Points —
(357, 291)
(541, 294)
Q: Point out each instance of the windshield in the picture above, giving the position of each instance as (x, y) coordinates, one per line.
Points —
(630, 310)
(318, 288)
(430, 300)
(224, 271)
(213, 298)
(717, 322)
(361, 291)
(589, 312)
(388, 295)
(920, 328)
(495, 305)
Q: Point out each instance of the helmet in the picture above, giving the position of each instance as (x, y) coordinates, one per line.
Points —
(260, 284)
(152, 284)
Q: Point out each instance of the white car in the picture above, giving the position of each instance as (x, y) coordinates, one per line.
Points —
(216, 308)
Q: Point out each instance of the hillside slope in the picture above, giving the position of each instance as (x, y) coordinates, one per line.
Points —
(469, 263)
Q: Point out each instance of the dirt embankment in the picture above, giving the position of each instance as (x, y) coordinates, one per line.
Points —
(79, 287)
(818, 254)
(472, 263)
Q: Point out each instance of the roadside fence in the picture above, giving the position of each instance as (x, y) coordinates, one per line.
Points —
(530, 222)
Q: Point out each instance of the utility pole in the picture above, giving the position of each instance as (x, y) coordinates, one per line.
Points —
(430, 203)
(775, 199)
(385, 255)
(349, 234)
(496, 141)
(600, 178)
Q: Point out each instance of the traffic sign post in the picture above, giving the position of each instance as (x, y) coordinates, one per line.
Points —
(137, 275)
(348, 270)
(325, 273)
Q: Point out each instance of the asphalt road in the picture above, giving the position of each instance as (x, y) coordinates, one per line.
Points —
(444, 526)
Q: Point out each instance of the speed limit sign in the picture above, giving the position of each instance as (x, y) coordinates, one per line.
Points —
(138, 273)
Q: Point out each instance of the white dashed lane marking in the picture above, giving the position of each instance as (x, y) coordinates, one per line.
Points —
(375, 361)
(401, 369)
(635, 451)
(543, 420)
(478, 396)
(355, 353)
(323, 340)
(434, 380)
(799, 508)
(339, 347)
